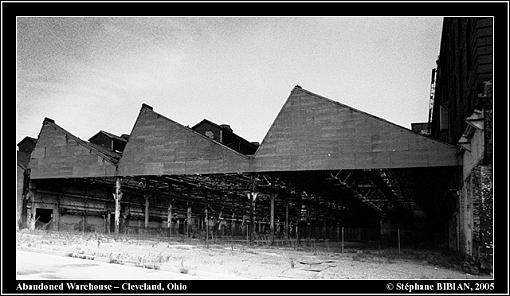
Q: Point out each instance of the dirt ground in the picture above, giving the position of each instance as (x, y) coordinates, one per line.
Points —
(225, 260)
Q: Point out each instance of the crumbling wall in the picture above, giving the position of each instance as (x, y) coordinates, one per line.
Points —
(478, 216)
(476, 200)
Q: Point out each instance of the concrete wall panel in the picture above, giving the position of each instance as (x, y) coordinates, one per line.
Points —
(315, 133)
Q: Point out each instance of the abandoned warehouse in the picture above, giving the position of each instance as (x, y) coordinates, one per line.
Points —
(323, 171)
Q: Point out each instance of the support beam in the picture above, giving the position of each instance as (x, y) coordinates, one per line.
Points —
(206, 228)
(253, 196)
(32, 213)
(83, 222)
(188, 222)
(273, 196)
(146, 225)
(248, 230)
(287, 219)
(169, 219)
(342, 239)
(118, 197)
(338, 230)
(56, 214)
(108, 222)
(220, 223)
(232, 226)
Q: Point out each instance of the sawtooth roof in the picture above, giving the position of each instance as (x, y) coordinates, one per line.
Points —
(312, 132)
(60, 154)
(160, 146)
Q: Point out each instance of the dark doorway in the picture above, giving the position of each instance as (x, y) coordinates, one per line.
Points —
(43, 217)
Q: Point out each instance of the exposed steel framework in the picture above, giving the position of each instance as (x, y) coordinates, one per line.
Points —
(320, 161)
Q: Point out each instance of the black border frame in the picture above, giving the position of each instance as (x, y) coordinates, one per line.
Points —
(498, 9)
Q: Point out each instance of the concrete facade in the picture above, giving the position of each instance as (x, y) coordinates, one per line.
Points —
(315, 133)
(59, 154)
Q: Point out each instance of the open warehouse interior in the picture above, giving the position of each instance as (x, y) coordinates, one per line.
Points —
(323, 171)
(326, 179)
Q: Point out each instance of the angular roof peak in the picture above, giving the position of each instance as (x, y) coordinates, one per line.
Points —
(161, 146)
(312, 132)
(60, 154)
(146, 106)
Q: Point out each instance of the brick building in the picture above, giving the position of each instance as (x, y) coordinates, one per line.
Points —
(462, 114)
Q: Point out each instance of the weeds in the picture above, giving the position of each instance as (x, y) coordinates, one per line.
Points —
(183, 269)
(146, 263)
(291, 262)
(81, 254)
